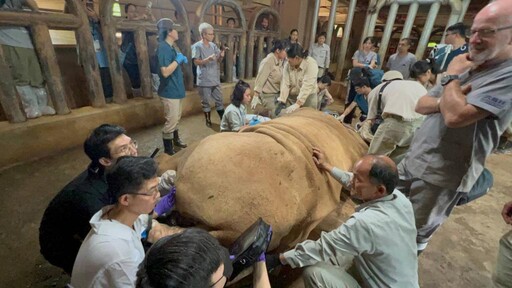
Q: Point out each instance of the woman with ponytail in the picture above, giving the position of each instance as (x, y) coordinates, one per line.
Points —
(299, 81)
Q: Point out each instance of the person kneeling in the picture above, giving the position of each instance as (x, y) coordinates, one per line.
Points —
(112, 251)
(380, 236)
(235, 116)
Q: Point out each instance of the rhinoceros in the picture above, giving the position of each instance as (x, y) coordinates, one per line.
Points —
(228, 180)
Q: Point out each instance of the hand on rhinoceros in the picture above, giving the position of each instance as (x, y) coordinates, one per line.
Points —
(159, 230)
(292, 108)
(166, 203)
(319, 159)
(166, 182)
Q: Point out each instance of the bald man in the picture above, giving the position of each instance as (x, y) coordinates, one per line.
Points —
(379, 237)
(466, 114)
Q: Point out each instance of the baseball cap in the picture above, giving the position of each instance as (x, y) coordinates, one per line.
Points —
(392, 75)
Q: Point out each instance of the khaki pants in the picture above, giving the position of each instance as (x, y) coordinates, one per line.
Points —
(393, 138)
(321, 72)
(311, 101)
(24, 66)
(502, 278)
(268, 106)
(172, 111)
(326, 275)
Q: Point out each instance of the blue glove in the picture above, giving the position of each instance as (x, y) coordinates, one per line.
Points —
(180, 58)
(166, 203)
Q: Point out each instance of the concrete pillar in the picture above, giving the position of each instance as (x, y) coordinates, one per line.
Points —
(456, 7)
(332, 19)
(367, 21)
(387, 31)
(344, 41)
(464, 9)
(314, 23)
(411, 15)
(427, 29)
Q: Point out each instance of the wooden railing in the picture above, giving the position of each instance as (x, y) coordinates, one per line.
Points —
(40, 23)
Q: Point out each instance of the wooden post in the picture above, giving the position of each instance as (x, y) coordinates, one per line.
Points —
(141, 44)
(229, 60)
(185, 44)
(50, 67)
(250, 56)
(259, 54)
(88, 55)
(108, 26)
(8, 97)
(242, 51)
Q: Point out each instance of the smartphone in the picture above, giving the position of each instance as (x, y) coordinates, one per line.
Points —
(89, 4)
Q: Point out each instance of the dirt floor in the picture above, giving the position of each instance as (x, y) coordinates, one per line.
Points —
(462, 253)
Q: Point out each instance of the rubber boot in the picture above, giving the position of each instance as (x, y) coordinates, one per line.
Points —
(221, 113)
(42, 101)
(177, 141)
(137, 92)
(168, 149)
(208, 120)
(29, 101)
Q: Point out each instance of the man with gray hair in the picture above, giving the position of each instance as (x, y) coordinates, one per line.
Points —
(466, 114)
(207, 56)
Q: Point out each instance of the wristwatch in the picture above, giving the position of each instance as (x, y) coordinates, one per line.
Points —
(446, 78)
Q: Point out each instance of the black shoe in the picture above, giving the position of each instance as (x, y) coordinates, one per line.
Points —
(168, 149)
(177, 141)
(221, 113)
(208, 121)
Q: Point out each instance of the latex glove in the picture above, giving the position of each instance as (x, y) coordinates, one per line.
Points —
(180, 58)
(280, 106)
(255, 101)
(166, 182)
(166, 203)
(292, 108)
(341, 118)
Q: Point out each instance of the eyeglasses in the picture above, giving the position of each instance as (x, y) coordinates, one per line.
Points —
(153, 192)
(125, 149)
(485, 33)
(449, 33)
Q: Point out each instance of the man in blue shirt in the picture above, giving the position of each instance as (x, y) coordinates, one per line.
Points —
(171, 89)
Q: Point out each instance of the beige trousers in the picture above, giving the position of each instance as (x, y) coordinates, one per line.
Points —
(172, 112)
(393, 138)
(268, 105)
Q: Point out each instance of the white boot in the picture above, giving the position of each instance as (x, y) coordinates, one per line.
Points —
(29, 101)
(42, 101)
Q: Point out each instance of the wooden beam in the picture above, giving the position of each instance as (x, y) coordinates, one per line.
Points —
(250, 56)
(50, 67)
(8, 97)
(229, 60)
(52, 20)
(88, 55)
(108, 26)
(241, 68)
(141, 45)
(260, 52)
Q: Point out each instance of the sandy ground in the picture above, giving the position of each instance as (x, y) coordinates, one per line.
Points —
(462, 253)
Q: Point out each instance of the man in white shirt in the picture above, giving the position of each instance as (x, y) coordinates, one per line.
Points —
(321, 52)
(398, 103)
(112, 251)
(380, 236)
(402, 60)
